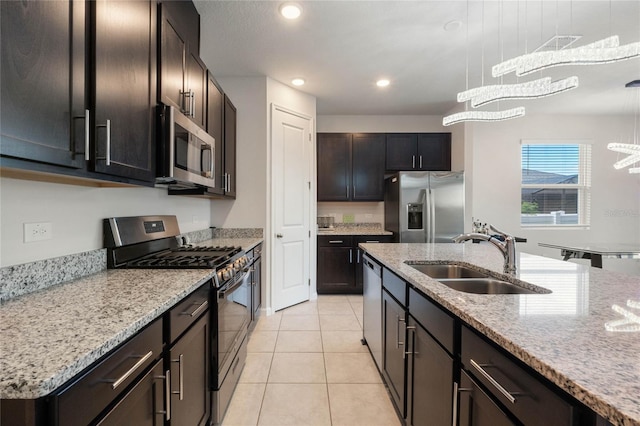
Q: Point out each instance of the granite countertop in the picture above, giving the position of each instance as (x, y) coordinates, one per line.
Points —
(49, 336)
(574, 336)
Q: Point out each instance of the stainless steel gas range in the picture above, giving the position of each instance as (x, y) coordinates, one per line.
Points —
(152, 242)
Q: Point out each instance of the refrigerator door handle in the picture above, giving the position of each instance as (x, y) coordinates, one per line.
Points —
(432, 215)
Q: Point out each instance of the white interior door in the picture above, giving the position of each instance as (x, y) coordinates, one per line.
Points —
(291, 206)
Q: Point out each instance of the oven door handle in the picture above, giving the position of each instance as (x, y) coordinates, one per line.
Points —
(223, 291)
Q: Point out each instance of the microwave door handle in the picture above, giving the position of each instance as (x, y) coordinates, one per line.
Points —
(205, 147)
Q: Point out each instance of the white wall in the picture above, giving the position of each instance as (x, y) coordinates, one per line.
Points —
(76, 213)
(496, 177)
(249, 209)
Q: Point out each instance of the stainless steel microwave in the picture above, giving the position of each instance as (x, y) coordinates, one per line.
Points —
(186, 153)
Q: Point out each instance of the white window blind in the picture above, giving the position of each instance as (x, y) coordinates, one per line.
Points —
(556, 182)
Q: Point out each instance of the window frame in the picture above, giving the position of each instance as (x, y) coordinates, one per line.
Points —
(583, 186)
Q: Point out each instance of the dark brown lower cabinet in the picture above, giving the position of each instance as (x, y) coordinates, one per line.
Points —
(189, 369)
(393, 349)
(340, 262)
(429, 379)
(143, 405)
(476, 408)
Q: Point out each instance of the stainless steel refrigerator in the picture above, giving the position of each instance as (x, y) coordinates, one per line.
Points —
(424, 207)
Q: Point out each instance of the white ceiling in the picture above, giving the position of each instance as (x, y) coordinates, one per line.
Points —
(342, 47)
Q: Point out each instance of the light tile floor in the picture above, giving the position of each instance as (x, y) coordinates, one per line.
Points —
(306, 366)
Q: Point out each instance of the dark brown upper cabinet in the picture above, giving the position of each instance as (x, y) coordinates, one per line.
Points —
(230, 119)
(350, 166)
(215, 127)
(183, 76)
(43, 112)
(418, 151)
(79, 88)
(124, 92)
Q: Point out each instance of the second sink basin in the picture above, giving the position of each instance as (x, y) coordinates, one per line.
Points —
(485, 286)
(447, 271)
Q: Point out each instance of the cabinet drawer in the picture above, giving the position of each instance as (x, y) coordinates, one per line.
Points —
(435, 320)
(395, 286)
(531, 400)
(86, 397)
(188, 311)
(335, 241)
(373, 239)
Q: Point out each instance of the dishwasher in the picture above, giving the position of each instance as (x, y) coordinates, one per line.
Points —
(372, 308)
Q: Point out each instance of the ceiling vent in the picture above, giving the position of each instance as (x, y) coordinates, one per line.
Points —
(558, 42)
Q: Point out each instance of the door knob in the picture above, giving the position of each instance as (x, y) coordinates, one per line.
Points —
(278, 235)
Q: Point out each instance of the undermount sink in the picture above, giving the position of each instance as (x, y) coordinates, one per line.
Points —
(468, 280)
(485, 286)
(447, 271)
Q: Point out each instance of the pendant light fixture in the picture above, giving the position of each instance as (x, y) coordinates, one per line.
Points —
(632, 149)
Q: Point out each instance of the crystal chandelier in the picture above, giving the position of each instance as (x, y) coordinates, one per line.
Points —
(529, 90)
(600, 52)
(632, 150)
(482, 116)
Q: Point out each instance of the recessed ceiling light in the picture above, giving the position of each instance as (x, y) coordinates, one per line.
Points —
(382, 82)
(290, 10)
(453, 25)
(298, 81)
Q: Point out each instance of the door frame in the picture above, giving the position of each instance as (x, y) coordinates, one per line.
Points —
(269, 233)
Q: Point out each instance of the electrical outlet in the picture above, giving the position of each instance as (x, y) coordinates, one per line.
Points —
(37, 231)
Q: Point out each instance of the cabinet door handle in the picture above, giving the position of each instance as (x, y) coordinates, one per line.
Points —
(336, 242)
(398, 342)
(180, 391)
(350, 255)
(229, 182)
(167, 393)
(413, 161)
(494, 382)
(421, 161)
(107, 157)
(193, 104)
(354, 191)
(357, 255)
(87, 135)
(412, 329)
(164, 378)
(347, 186)
(117, 382)
(456, 395)
(197, 310)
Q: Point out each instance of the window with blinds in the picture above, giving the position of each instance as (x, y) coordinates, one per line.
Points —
(556, 182)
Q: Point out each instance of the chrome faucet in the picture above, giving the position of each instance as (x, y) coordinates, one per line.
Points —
(506, 247)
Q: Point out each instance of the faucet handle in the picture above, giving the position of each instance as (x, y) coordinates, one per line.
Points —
(499, 232)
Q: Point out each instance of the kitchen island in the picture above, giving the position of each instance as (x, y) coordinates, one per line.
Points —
(572, 336)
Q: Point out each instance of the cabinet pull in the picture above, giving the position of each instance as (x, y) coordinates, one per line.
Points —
(165, 378)
(336, 242)
(167, 393)
(493, 381)
(354, 192)
(350, 255)
(398, 342)
(193, 104)
(357, 255)
(421, 161)
(180, 391)
(117, 382)
(413, 161)
(196, 311)
(347, 186)
(405, 354)
(107, 157)
(228, 182)
(456, 396)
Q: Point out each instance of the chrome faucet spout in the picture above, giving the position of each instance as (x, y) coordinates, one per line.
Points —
(506, 247)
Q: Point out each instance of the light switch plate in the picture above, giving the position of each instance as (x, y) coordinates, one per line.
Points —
(38, 231)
